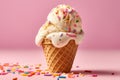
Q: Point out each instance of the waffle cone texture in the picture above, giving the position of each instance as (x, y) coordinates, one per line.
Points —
(59, 59)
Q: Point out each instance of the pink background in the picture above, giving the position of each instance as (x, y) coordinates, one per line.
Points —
(21, 19)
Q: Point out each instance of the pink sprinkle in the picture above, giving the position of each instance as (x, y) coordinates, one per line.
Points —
(66, 10)
(113, 73)
(59, 17)
(20, 71)
(75, 25)
(36, 67)
(30, 75)
(3, 73)
(69, 29)
(74, 31)
(77, 15)
(47, 74)
(38, 73)
(71, 35)
(77, 75)
(88, 71)
(94, 75)
(77, 66)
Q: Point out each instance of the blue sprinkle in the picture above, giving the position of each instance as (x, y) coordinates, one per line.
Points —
(58, 78)
(13, 72)
(8, 70)
(61, 35)
(26, 72)
(62, 76)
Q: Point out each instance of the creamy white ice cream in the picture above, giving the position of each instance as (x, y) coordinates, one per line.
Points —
(63, 24)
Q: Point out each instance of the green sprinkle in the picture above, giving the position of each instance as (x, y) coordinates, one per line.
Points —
(77, 21)
(26, 66)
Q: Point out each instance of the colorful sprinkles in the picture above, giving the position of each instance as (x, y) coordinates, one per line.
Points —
(31, 70)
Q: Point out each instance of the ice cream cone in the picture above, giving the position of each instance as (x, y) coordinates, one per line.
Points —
(60, 36)
(59, 59)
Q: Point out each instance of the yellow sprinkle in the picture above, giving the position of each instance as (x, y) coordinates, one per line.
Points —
(42, 72)
(82, 75)
(38, 70)
(39, 65)
(55, 74)
(24, 74)
(13, 69)
(46, 70)
(18, 66)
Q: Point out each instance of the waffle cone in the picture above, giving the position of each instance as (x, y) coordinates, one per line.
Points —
(59, 59)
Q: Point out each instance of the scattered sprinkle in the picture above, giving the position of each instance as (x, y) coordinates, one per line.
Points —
(94, 75)
(57, 12)
(69, 29)
(59, 39)
(74, 31)
(77, 66)
(75, 25)
(59, 18)
(77, 21)
(71, 35)
(77, 75)
(23, 74)
(77, 15)
(80, 32)
(26, 72)
(61, 35)
(71, 75)
(37, 67)
(42, 72)
(47, 74)
(1, 67)
(15, 78)
(81, 74)
(38, 73)
(62, 76)
(88, 71)
(6, 64)
(66, 10)
(26, 66)
(113, 73)
(56, 74)
(4, 73)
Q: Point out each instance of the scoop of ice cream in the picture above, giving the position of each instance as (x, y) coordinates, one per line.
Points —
(63, 24)
(66, 18)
